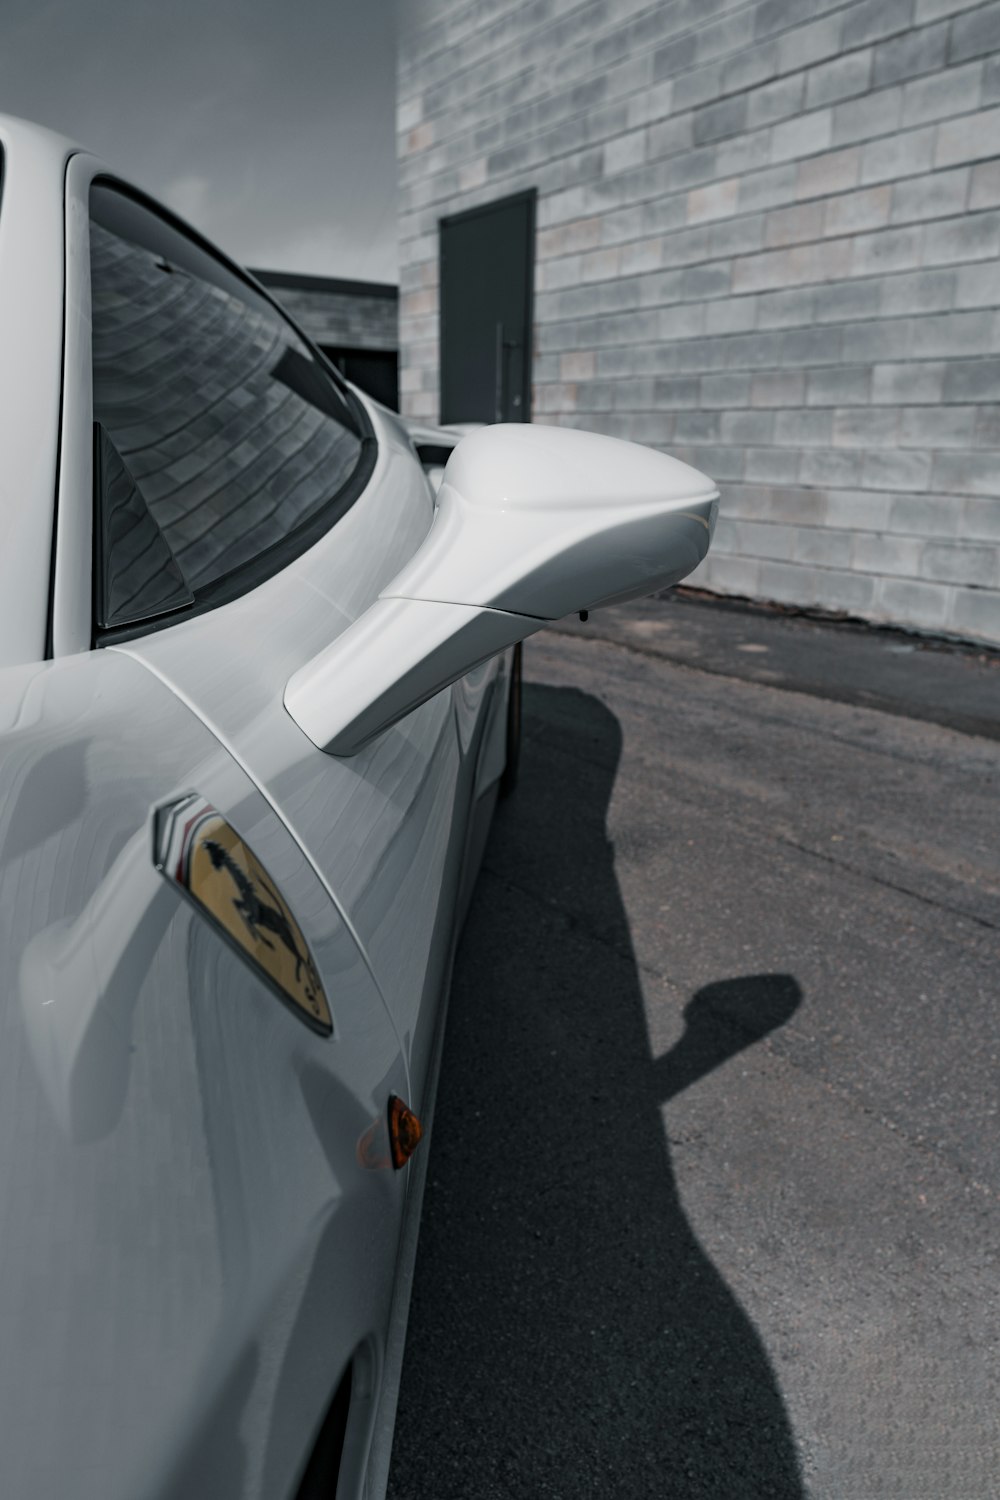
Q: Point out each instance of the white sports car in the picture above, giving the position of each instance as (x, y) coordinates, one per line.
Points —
(255, 705)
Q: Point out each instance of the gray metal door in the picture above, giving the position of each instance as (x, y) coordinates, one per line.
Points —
(487, 258)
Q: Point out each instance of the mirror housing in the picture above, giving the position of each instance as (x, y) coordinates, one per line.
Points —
(532, 524)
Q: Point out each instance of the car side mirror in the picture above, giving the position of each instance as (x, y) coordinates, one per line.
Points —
(531, 524)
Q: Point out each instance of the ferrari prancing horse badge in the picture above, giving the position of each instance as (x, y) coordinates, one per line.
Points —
(198, 850)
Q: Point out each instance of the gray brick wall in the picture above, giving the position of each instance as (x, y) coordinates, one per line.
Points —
(346, 315)
(768, 239)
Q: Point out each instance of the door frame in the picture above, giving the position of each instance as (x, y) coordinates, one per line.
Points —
(527, 196)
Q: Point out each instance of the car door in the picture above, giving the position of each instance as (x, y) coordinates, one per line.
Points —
(287, 506)
(199, 1223)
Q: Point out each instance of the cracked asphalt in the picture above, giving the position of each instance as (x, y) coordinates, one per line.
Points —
(712, 1196)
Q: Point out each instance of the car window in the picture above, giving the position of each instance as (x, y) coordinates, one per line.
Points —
(220, 434)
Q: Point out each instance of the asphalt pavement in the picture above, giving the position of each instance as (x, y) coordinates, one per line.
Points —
(712, 1203)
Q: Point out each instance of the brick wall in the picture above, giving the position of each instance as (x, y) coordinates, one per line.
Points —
(351, 315)
(768, 239)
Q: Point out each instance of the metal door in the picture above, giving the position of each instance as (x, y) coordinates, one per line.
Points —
(487, 259)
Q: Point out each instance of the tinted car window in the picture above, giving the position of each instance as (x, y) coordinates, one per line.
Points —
(231, 432)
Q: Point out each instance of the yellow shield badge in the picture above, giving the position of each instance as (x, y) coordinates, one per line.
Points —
(198, 850)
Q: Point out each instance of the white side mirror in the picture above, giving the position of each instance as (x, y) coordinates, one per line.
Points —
(532, 523)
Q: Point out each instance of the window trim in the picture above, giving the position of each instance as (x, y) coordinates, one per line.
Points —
(247, 576)
(50, 609)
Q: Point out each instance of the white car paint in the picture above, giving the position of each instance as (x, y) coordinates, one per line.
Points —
(530, 524)
(192, 1248)
(182, 1203)
(31, 330)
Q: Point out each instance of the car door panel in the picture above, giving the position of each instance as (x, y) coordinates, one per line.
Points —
(383, 828)
(164, 1113)
(362, 823)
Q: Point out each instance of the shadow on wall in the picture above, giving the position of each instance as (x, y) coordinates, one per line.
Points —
(568, 1336)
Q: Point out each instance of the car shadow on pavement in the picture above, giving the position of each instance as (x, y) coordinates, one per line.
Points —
(569, 1336)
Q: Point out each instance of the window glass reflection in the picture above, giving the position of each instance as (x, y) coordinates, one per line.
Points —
(230, 429)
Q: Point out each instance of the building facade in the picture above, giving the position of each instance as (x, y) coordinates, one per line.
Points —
(766, 238)
(355, 323)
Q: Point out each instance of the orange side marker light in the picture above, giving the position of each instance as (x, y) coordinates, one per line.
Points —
(405, 1131)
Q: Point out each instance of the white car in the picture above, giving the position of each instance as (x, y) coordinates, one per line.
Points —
(255, 706)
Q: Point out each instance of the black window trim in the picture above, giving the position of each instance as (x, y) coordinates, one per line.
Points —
(247, 576)
(50, 612)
